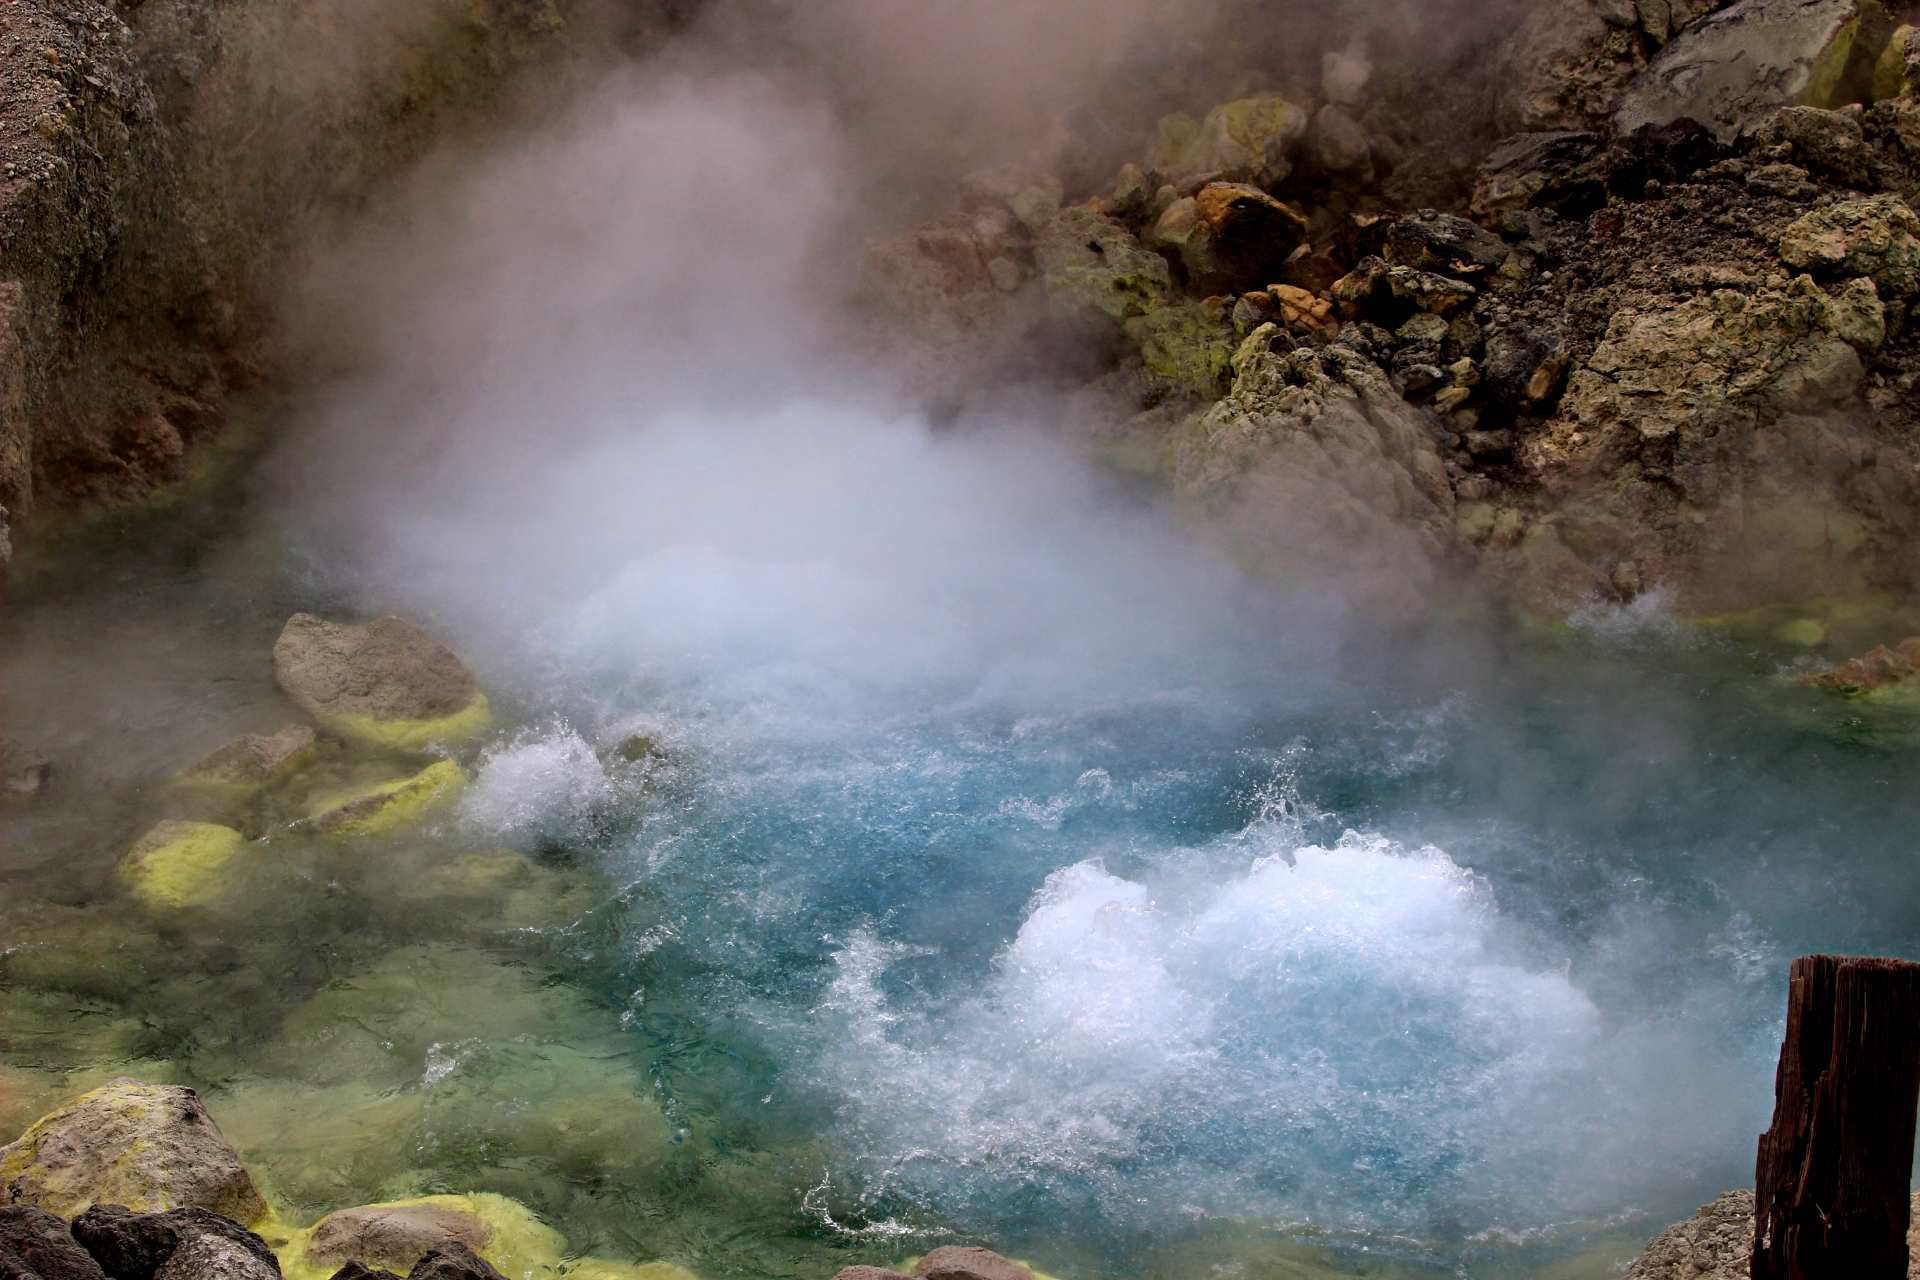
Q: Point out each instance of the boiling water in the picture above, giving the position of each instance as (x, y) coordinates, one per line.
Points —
(935, 846)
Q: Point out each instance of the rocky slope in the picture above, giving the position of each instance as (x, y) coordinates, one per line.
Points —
(1660, 341)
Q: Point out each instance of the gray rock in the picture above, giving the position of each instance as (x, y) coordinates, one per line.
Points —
(392, 1236)
(133, 1246)
(1337, 146)
(215, 1258)
(453, 1261)
(1829, 142)
(40, 1242)
(152, 1147)
(1563, 69)
(361, 1271)
(1442, 243)
(388, 669)
(1732, 70)
(252, 759)
(1541, 170)
(956, 1262)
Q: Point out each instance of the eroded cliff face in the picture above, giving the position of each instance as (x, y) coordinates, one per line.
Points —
(161, 162)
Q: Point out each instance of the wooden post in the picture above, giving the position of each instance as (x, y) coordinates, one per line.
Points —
(1832, 1183)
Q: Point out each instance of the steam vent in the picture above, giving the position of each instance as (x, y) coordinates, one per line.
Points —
(1008, 640)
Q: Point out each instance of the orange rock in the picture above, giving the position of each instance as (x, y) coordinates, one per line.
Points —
(1870, 671)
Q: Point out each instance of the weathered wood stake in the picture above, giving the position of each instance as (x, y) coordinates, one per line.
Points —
(1832, 1183)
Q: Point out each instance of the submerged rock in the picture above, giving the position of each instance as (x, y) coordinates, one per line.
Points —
(178, 862)
(37, 1243)
(22, 772)
(253, 760)
(387, 806)
(133, 1246)
(958, 1262)
(393, 1236)
(869, 1273)
(387, 683)
(150, 1147)
(213, 1257)
(1870, 671)
(1734, 69)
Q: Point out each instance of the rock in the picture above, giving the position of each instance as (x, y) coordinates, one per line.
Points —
(1717, 1244)
(22, 772)
(386, 683)
(1542, 171)
(1732, 70)
(1563, 69)
(393, 1236)
(387, 806)
(253, 760)
(956, 1262)
(1675, 152)
(1445, 244)
(1005, 184)
(453, 1261)
(1877, 237)
(150, 1147)
(1251, 140)
(1337, 147)
(1355, 293)
(1829, 142)
(41, 1242)
(1515, 359)
(1091, 264)
(1229, 237)
(213, 1257)
(1186, 351)
(869, 1273)
(177, 863)
(1427, 291)
(361, 1271)
(133, 1246)
(1870, 671)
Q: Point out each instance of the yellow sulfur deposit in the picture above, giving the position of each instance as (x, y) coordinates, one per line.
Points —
(176, 862)
(389, 805)
(413, 735)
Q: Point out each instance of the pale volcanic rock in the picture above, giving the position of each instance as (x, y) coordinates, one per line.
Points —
(959, 1262)
(392, 1236)
(149, 1147)
(253, 759)
(387, 682)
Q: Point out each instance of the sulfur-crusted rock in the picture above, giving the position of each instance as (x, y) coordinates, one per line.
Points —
(1732, 70)
(1251, 140)
(38, 1243)
(1877, 237)
(1229, 237)
(253, 759)
(1315, 455)
(1090, 263)
(132, 1246)
(215, 1257)
(959, 1262)
(1186, 351)
(180, 862)
(387, 682)
(22, 772)
(387, 806)
(393, 1236)
(1870, 671)
(149, 1147)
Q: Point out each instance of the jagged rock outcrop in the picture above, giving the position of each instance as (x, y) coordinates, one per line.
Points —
(149, 1147)
(1717, 1244)
(1876, 669)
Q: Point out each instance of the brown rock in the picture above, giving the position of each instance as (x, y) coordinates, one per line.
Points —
(392, 1236)
(22, 772)
(957, 1262)
(1870, 671)
(869, 1273)
(388, 669)
(253, 758)
(212, 1257)
(149, 1147)
(1717, 1244)
(1229, 237)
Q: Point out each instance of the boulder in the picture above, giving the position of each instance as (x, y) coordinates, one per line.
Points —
(213, 1257)
(132, 1246)
(453, 1261)
(150, 1147)
(361, 1271)
(392, 1236)
(1831, 143)
(38, 1243)
(1252, 140)
(22, 772)
(1542, 171)
(1443, 243)
(1717, 1244)
(1229, 237)
(1090, 264)
(1732, 70)
(1877, 237)
(1874, 670)
(253, 760)
(178, 863)
(957, 1262)
(387, 806)
(1337, 147)
(386, 683)
(1563, 69)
